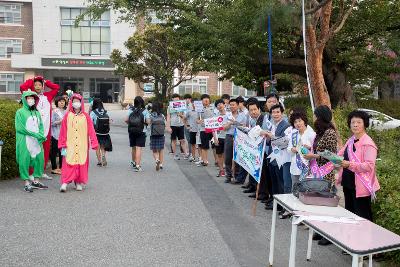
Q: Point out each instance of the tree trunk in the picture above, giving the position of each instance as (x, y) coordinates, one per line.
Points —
(314, 62)
(164, 88)
(337, 81)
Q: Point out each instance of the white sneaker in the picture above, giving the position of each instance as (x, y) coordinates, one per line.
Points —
(45, 176)
(31, 178)
(78, 187)
(138, 168)
(191, 159)
(158, 163)
(176, 157)
(133, 164)
(63, 188)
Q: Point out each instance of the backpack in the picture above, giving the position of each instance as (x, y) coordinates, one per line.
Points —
(102, 125)
(157, 125)
(136, 121)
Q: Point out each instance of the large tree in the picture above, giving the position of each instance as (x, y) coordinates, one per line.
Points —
(231, 37)
(154, 56)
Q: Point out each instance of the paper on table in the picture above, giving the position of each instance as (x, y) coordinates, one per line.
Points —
(300, 218)
(254, 133)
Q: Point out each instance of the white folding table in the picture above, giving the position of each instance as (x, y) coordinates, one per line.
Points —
(363, 238)
(358, 249)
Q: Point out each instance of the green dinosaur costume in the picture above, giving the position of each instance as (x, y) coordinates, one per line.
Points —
(29, 138)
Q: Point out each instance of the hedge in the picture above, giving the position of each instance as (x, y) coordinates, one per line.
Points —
(9, 168)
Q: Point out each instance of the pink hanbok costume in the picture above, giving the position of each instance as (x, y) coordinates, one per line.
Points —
(76, 132)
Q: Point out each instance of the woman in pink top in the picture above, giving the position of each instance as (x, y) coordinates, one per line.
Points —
(358, 174)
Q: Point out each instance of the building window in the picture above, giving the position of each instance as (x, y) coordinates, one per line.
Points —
(10, 13)
(90, 38)
(239, 90)
(195, 85)
(10, 46)
(9, 82)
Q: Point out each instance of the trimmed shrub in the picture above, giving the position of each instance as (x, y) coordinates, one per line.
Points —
(9, 168)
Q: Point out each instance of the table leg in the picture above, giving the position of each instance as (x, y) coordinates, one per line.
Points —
(292, 255)
(360, 261)
(354, 262)
(309, 245)
(272, 240)
(370, 260)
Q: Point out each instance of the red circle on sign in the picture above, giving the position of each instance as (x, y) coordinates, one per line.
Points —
(220, 119)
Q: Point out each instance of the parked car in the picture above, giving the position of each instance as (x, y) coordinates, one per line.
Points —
(380, 121)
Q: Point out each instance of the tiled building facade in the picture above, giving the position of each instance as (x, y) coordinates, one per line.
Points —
(38, 38)
(16, 37)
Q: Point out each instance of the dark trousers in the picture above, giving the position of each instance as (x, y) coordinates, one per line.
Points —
(360, 206)
(54, 153)
(265, 187)
(276, 179)
(228, 151)
(241, 175)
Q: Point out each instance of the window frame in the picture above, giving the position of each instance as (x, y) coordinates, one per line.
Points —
(7, 81)
(87, 46)
(12, 6)
(7, 55)
(188, 86)
(241, 88)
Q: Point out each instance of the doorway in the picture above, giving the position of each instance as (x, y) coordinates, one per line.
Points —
(106, 92)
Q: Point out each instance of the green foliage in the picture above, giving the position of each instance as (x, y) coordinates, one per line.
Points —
(389, 107)
(9, 168)
(374, 24)
(386, 209)
(153, 56)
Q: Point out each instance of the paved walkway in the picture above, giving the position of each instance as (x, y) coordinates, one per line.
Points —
(182, 216)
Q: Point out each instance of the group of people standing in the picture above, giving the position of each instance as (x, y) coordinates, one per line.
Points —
(65, 133)
(293, 147)
(292, 154)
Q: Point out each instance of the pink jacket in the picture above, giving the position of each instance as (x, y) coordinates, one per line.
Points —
(366, 151)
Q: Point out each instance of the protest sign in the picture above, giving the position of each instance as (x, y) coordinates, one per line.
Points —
(198, 106)
(177, 106)
(249, 153)
(213, 124)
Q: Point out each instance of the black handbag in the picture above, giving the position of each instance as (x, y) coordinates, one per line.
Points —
(320, 187)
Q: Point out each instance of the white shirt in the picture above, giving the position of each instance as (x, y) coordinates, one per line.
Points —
(307, 138)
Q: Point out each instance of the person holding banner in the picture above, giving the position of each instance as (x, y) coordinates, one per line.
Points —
(256, 118)
(208, 112)
(219, 137)
(175, 125)
(279, 166)
(234, 119)
(358, 173)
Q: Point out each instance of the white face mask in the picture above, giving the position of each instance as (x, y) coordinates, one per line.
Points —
(76, 105)
(31, 102)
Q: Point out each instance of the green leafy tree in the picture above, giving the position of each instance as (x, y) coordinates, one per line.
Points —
(154, 56)
(231, 39)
